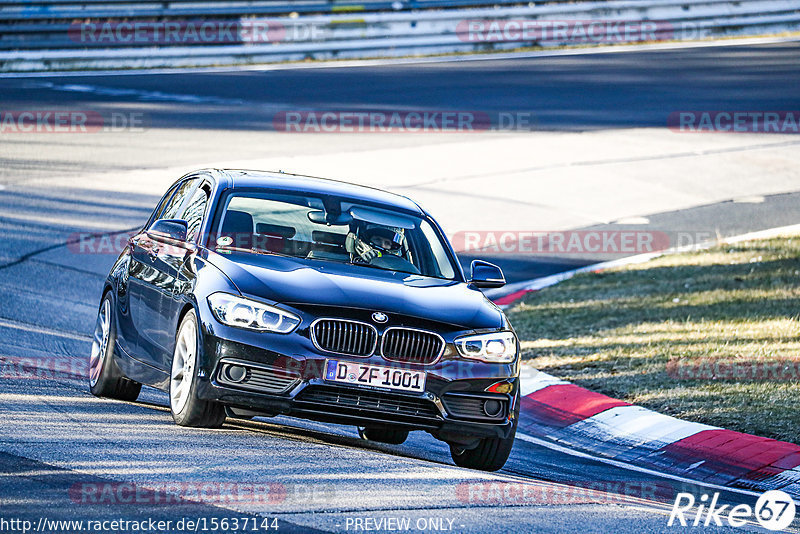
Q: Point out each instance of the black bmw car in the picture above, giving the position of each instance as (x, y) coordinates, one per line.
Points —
(254, 293)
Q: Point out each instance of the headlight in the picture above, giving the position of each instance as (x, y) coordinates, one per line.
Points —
(497, 347)
(253, 315)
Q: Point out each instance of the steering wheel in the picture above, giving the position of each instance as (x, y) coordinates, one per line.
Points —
(395, 263)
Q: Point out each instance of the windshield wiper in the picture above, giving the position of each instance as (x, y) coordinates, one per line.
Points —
(253, 251)
(381, 268)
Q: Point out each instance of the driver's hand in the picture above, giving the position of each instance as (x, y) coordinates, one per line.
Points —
(365, 252)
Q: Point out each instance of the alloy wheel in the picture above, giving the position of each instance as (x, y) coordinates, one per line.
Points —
(183, 365)
(102, 332)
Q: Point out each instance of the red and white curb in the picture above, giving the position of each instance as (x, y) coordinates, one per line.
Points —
(556, 411)
(561, 412)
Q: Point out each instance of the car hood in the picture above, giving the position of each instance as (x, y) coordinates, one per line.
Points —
(301, 282)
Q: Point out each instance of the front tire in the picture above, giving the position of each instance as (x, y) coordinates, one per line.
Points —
(187, 409)
(105, 379)
(491, 454)
(392, 436)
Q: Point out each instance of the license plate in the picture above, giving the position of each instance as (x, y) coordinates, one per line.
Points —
(375, 376)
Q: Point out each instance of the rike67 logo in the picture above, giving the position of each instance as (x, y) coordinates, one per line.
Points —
(774, 510)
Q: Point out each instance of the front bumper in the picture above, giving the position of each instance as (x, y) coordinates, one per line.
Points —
(289, 380)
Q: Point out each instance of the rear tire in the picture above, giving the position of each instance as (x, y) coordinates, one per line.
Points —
(392, 436)
(187, 409)
(105, 379)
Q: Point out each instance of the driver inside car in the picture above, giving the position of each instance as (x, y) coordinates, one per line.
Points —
(375, 242)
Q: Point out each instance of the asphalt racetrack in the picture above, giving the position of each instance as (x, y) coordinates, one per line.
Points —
(599, 155)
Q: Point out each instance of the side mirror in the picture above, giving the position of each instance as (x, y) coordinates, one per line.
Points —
(486, 275)
(175, 229)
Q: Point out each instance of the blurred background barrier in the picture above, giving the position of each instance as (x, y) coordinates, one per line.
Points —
(47, 35)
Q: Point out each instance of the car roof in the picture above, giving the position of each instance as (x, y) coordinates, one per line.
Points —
(296, 183)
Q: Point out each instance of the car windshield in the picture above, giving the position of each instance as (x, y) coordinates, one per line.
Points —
(334, 230)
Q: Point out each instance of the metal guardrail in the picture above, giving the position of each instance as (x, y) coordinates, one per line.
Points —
(81, 9)
(43, 4)
(26, 46)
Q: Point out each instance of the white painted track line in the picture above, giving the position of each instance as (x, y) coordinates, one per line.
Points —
(630, 467)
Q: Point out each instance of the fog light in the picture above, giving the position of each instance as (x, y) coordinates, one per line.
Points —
(492, 408)
(235, 373)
